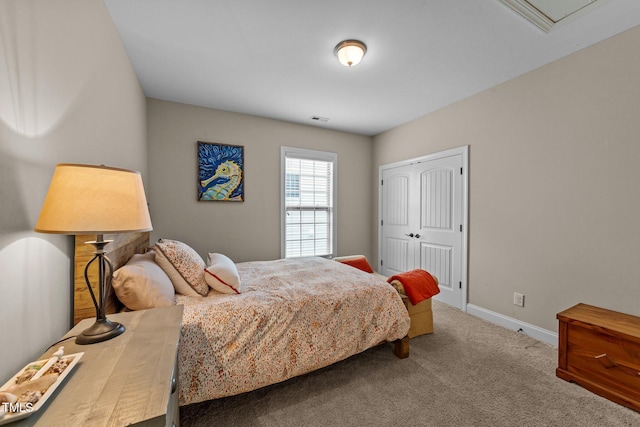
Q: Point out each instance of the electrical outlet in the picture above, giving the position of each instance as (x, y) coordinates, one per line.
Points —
(518, 299)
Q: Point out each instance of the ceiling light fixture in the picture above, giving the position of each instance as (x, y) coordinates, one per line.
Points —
(350, 52)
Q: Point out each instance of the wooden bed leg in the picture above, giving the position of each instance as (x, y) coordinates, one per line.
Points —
(401, 348)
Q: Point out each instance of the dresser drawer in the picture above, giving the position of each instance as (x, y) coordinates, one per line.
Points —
(609, 361)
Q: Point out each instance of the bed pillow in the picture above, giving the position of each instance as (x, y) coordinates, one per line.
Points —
(358, 261)
(183, 265)
(222, 274)
(141, 284)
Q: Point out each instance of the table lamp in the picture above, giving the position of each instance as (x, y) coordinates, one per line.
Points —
(87, 199)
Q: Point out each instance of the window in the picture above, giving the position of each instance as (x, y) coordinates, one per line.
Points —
(308, 180)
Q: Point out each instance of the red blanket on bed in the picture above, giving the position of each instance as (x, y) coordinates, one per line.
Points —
(418, 284)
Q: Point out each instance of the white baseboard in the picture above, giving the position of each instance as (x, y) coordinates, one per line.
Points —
(514, 324)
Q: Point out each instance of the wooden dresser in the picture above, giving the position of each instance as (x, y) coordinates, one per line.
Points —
(131, 379)
(599, 349)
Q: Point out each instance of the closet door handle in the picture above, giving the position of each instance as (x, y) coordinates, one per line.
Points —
(410, 235)
(417, 236)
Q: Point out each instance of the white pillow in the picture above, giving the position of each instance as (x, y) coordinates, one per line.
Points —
(183, 265)
(222, 274)
(141, 284)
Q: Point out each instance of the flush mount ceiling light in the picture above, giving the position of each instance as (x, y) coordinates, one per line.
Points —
(350, 52)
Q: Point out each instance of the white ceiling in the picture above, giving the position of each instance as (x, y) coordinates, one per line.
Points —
(274, 58)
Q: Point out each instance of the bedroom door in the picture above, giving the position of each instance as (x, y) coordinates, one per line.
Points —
(423, 220)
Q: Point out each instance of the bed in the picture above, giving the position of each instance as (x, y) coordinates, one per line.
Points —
(291, 317)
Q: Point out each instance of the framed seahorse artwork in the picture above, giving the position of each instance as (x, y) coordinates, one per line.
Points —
(220, 172)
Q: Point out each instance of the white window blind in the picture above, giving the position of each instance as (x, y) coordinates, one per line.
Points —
(308, 203)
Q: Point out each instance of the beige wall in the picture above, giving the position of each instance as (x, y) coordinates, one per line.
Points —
(249, 230)
(554, 200)
(68, 93)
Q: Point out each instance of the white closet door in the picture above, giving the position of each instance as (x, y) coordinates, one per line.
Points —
(422, 222)
(398, 248)
(439, 235)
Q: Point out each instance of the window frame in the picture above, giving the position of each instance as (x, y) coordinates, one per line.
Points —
(306, 154)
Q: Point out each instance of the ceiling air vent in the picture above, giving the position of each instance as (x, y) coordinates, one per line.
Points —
(319, 119)
(546, 14)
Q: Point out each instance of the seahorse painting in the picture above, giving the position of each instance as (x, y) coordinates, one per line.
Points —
(232, 174)
(220, 174)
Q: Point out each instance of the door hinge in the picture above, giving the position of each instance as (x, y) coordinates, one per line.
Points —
(382, 222)
(461, 228)
(460, 285)
(461, 171)
(382, 182)
(380, 262)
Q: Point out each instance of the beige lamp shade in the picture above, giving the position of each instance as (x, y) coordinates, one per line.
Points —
(87, 199)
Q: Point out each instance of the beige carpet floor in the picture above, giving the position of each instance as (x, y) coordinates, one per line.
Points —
(467, 373)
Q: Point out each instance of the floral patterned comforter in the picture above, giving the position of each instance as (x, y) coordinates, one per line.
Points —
(292, 317)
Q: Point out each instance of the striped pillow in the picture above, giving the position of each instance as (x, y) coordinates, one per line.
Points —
(222, 274)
